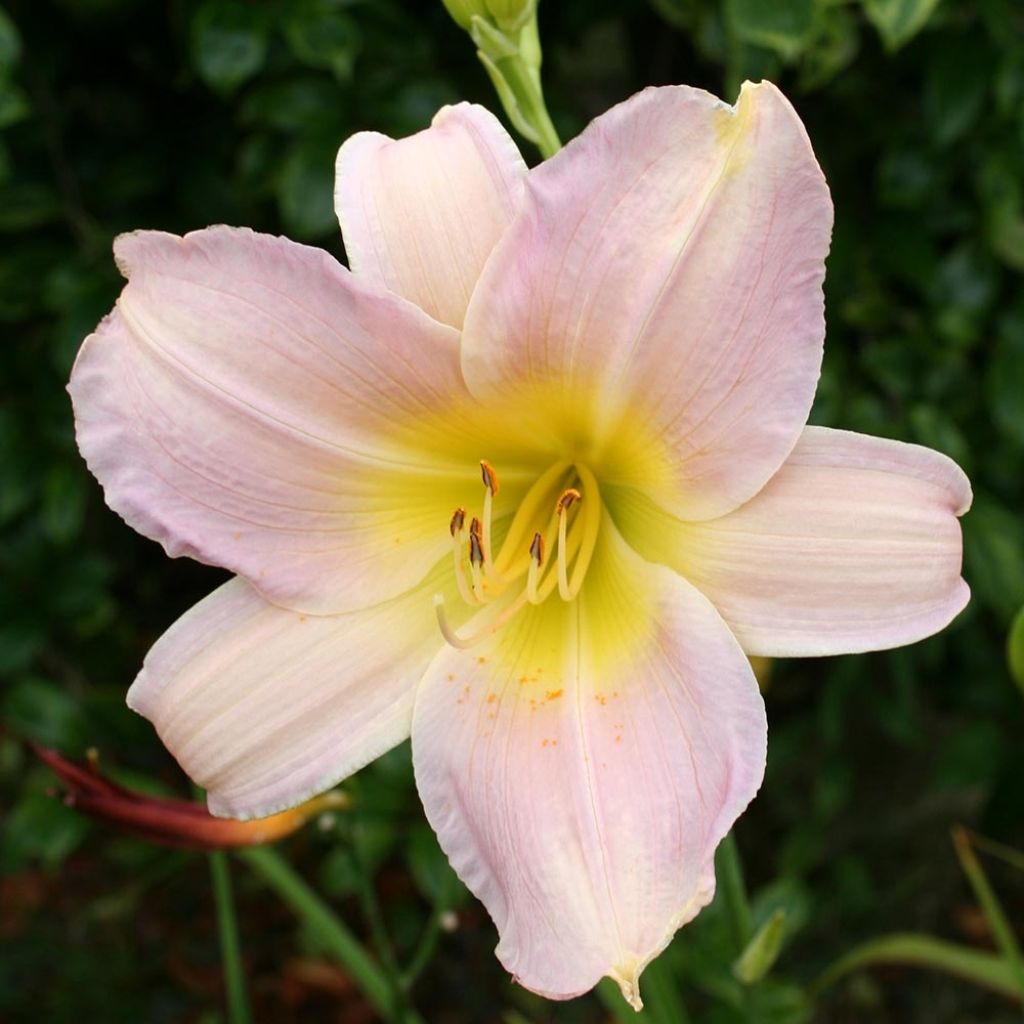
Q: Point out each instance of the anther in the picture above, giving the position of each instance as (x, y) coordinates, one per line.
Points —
(458, 521)
(567, 500)
(490, 477)
(533, 573)
(537, 549)
(476, 559)
(456, 527)
(476, 547)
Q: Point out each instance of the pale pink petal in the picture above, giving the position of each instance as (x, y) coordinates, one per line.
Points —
(250, 404)
(264, 707)
(421, 215)
(664, 277)
(854, 545)
(581, 768)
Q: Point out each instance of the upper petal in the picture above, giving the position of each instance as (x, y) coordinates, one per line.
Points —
(421, 215)
(854, 545)
(250, 404)
(264, 707)
(666, 269)
(581, 768)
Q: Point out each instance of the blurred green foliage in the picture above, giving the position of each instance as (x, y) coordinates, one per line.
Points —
(116, 114)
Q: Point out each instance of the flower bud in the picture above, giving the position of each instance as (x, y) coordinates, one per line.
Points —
(511, 14)
(463, 11)
(169, 822)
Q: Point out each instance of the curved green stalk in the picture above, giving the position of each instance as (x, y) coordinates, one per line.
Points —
(981, 968)
(230, 946)
(325, 925)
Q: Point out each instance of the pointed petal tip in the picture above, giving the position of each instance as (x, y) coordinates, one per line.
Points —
(627, 977)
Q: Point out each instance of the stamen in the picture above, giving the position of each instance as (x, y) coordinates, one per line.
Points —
(536, 563)
(535, 500)
(568, 499)
(458, 521)
(476, 558)
(457, 525)
(490, 629)
(492, 572)
(565, 502)
(591, 526)
(490, 479)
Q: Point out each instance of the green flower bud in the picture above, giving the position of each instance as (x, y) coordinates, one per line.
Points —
(510, 14)
(463, 11)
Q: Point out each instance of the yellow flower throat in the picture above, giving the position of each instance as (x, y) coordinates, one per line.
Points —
(566, 503)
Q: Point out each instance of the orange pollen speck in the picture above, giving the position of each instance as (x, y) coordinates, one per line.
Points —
(553, 694)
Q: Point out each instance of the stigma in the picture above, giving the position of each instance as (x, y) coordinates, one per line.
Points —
(562, 505)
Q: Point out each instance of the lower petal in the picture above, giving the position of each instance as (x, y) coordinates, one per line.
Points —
(264, 707)
(581, 767)
(854, 545)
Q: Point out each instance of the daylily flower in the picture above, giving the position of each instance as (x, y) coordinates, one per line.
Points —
(530, 482)
(168, 821)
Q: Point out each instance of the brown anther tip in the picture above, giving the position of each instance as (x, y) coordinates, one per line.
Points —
(475, 529)
(537, 549)
(476, 548)
(569, 497)
(489, 476)
(458, 521)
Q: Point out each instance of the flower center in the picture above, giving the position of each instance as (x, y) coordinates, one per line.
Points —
(563, 508)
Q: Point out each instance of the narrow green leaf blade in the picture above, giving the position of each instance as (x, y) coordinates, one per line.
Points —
(987, 970)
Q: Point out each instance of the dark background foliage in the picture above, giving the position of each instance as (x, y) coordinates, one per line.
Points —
(116, 114)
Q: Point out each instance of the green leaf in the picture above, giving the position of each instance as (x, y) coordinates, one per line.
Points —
(990, 905)
(831, 48)
(10, 43)
(431, 871)
(898, 21)
(956, 82)
(46, 713)
(14, 105)
(783, 25)
(63, 505)
(322, 38)
(762, 951)
(305, 191)
(1015, 649)
(986, 970)
(1005, 380)
(994, 555)
(229, 43)
(28, 204)
(40, 828)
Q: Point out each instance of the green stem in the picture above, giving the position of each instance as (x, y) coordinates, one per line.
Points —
(424, 951)
(980, 968)
(322, 921)
(729, 870)
(230, 947)
(1001, 930)
(528, 91)
(379, 933)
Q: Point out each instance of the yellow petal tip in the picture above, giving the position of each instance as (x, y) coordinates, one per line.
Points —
(627, 977)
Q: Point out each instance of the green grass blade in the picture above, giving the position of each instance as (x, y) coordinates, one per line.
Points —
(280, 876)
(230, 946)
(986, 896)
(987, 970)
